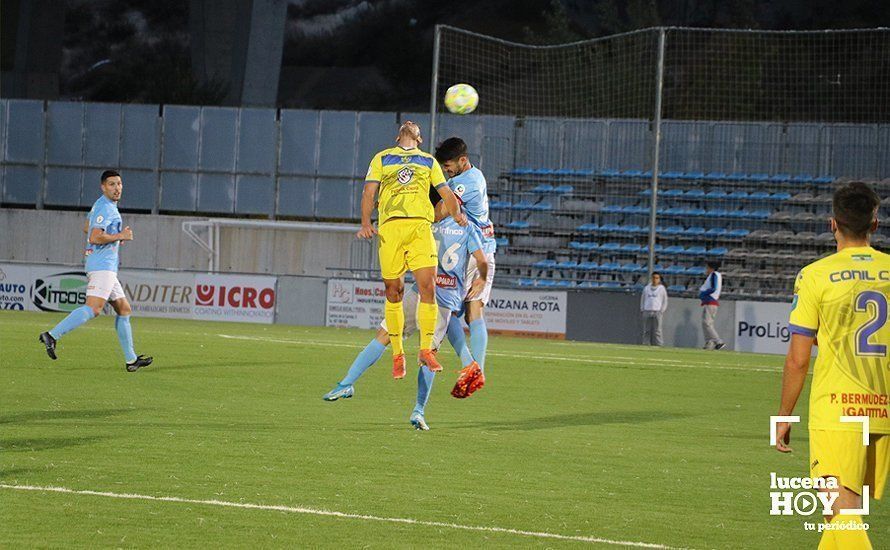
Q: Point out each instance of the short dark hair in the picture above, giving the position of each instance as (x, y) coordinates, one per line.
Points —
(451, 149)
(654, 273)
(109, 174)
(854, 207)
(713, 264)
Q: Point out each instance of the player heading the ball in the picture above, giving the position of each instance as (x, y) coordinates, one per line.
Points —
(399, 180)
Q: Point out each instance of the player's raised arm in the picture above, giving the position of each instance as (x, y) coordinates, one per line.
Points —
(369, 196)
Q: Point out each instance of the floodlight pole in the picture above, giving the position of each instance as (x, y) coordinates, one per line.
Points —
(659, 86)
(434, 88)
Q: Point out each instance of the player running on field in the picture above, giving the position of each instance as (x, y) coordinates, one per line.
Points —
(841, 301)
(456, 245)
(403, 175)
(468, 184)
(104, 236)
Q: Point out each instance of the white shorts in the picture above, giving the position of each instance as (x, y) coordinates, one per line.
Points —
(410, 301)
(104, 284)
(473, 274)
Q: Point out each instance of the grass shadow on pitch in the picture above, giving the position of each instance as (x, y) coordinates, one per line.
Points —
(156, 367)
(25, 444)
(42, 416)
(595, 418)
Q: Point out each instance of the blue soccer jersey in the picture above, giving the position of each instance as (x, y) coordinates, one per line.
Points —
(105, 216)
(455, 244)
(472, 191)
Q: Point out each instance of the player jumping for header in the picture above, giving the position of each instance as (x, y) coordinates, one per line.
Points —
(104, 236)
(843, 300)
(468, 184)
(403, 175)
(456, 245)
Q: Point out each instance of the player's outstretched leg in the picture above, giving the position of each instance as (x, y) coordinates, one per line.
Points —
(363, 361)
(479, 340)
(74, 319)
(458, 340)
(125, 336)
(394, 316)
(425, 379)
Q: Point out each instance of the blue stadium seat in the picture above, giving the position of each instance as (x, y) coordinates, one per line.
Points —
(563, 172)
(588, 227)
(718, 213)
(588, 266)
(522, 171)
(610, 228)
(759, 214)
(694, 194)
(546, 283)
(695, 270)
(563, 283)
(737, 176)
(676, 288)
(696, 212)
(714, 176)
(758, 177)
(674, 230)
(648, 192)
(543, 188)
(590, 246)
(694, 175)
(716, 194)
(631, 228)
(673, 249)
(631, 248)
(563, 189)
(575, 245)
(695, 251)
(610, 284)
(780, 178)
(823, 179)
(802, 178)
(780, 196)
(673, 193)
(718, 251)
(518, 224)
(658, 248)
(674, 211)
(588, 284)
(502, 241)
(674, 270)
(671, 175)
(526, 282)
(738, 195)
(738, 233)
(715, 232)
(500, 205)
(544, 264)
(542, 207)
(759, 195)
(567, 264)
(523, 205)
(611, 209)
(610, 266)
(694, 231)
(609, 247)
(610, 173)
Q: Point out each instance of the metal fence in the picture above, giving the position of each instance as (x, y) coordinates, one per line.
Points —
(665, 148)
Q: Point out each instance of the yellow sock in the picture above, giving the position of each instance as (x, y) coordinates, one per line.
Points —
(395, 325)
(426, 322)
(845, 539)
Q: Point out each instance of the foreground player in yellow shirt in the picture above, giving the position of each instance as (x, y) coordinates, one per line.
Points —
(841, 301)
(403, 175)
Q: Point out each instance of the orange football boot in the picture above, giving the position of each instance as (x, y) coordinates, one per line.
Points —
(428, 358)
(470, 380)
(398, 366)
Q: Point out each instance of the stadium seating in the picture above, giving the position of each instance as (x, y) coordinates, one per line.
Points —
(590, 228)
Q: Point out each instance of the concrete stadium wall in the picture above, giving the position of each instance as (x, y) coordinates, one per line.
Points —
(159, 243)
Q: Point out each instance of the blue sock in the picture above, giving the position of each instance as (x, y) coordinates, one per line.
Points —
(479, 341)
(76, 318)
(363, 361)
(125, 337)
(424, 386)
(459, 340)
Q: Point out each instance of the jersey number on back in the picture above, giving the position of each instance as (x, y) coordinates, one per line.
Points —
(450, 259)
(873, 325)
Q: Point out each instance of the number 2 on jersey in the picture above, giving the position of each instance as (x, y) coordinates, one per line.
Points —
(873, 325)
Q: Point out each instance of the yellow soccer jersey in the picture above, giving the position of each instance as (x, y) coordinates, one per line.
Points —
(842, 300)
(405, 177)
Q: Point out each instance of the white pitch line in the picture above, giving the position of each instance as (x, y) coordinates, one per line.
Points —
(332, 513)
(652, 363)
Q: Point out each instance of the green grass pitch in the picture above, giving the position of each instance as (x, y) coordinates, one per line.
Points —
(622, 443)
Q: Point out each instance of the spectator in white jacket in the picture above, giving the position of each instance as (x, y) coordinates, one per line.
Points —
(653, 304)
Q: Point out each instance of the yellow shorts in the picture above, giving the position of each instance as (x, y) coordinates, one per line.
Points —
(841, 454)
(406, 243)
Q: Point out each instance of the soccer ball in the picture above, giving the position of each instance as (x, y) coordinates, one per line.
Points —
(461, 99)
